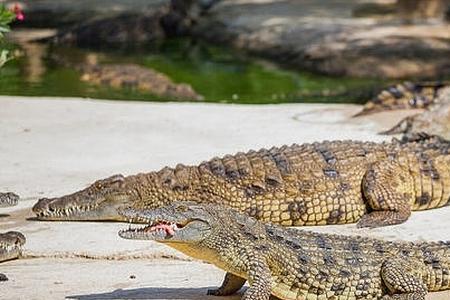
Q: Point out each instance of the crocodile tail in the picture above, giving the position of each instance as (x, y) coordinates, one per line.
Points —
(403, 96)
(403, 126)
(393, 97)
(424, 138)
(366, 111)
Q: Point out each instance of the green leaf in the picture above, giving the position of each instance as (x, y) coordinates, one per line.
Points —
(4, 57)
(4, 29)
(6, 16)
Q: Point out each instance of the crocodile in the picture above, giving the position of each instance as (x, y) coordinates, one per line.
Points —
(330, 182)
(435, 120)
(12, 241)
(8, 199)
(136, 77)
(406, 95)
(290, 263)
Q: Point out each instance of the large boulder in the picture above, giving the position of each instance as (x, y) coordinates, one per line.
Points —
(324, 37)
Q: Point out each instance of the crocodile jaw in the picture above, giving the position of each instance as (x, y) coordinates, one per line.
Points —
(72, 209)
(157, 231)
(165, 226)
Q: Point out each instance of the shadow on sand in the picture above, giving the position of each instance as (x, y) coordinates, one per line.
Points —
(155, 293)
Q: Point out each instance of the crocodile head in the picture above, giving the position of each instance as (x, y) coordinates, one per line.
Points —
(99, 201)
(8, 199)
(198, 230)
(11, 245)
(178, 222)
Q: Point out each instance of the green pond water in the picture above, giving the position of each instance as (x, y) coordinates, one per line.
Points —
(220, 75)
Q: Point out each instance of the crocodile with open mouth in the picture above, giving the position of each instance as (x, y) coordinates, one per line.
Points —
(294, 264)
(331, 182)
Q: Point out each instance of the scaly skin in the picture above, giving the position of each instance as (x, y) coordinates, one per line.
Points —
(294, 264)
(435, 120)
(403, 96)
(337, 182)
(8, 199)
(12, 241)
(139, 78)
(10, 245)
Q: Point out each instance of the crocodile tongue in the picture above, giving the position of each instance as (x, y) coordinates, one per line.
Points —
(169, 228)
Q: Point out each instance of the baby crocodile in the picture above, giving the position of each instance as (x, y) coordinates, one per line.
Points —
(334, 182)
(12, 241)
(294, 264)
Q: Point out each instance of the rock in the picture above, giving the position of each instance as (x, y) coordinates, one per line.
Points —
(374, 9)
(325, 38)
(411, 11)
(407, 11)
(124, 29)
(66, 13)
(100, 23)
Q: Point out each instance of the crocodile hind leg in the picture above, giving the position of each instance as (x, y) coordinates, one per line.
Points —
(231, 284)
(402, 280)
(3, 277)
(388, 190)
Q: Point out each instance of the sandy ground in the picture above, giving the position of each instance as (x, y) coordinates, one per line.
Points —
(54, 146)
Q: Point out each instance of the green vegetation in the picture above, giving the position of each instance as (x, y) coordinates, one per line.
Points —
(6, 17)
(217, 74)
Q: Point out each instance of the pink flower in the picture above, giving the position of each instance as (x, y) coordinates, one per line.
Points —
(17, 10)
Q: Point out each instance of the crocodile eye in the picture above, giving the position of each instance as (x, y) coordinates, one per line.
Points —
(116, 179)
(181, 208)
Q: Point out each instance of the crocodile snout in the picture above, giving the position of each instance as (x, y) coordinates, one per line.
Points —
(12, 239)
(42, 205)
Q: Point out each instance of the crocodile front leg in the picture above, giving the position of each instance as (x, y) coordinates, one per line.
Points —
(402, 280)
(388, 188)
(260, 279)
(231, 284)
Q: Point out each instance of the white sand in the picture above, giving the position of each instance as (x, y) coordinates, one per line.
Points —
(51, 147)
